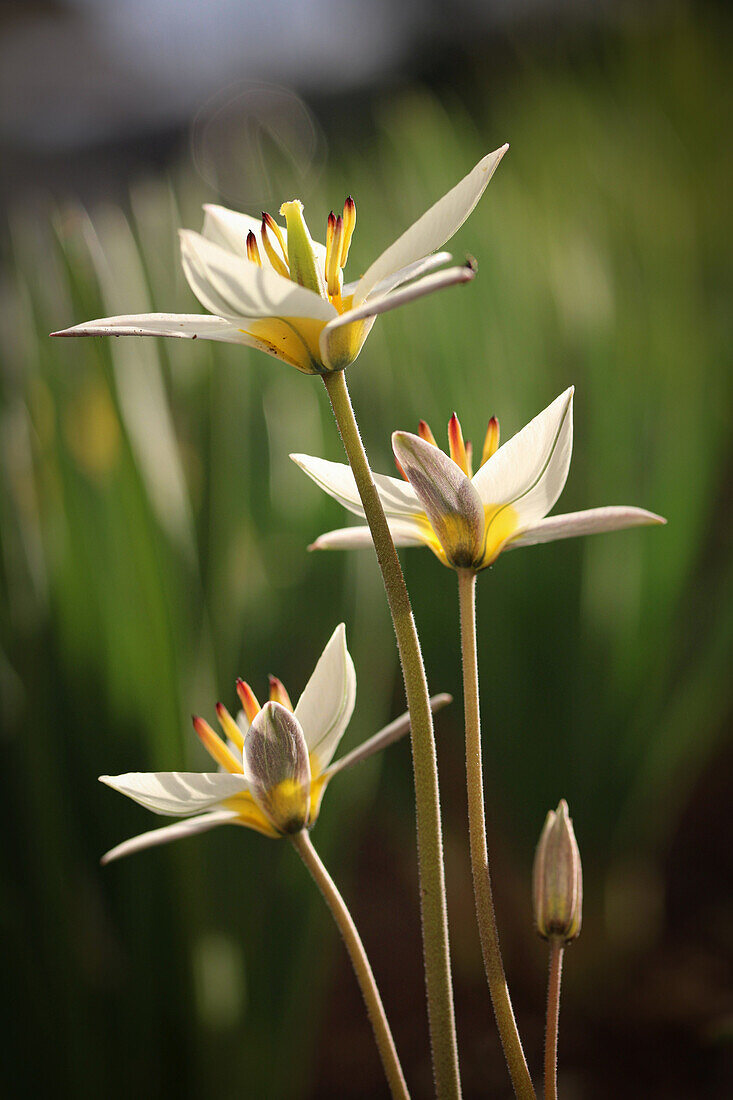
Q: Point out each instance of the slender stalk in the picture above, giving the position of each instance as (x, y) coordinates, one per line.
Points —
(375, 1009)
(436, 954)
(553, 1016)
(485, 915)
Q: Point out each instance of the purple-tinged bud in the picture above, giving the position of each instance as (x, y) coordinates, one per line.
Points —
(277, 767)
(557, 879)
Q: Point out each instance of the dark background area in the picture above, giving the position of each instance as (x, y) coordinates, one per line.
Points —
(153, 534)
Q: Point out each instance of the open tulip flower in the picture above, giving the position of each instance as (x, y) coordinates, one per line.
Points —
(468, 519)
(274, 761)
(274, 288)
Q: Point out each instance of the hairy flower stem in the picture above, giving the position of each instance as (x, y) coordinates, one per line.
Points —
(553, 1016)
(375, 1010)
(429, 834)
(485, 915)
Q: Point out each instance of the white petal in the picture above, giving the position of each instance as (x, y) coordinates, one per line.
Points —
(188, 326)
(404, 533)
(439, 280)
(434, 228)
(235, 288)
(176, 794)
(229, 228)
(530, 470)
(411, 271)
(335, 478)
(387, 736)
(327, 703)
(589, 522)
(168, 833)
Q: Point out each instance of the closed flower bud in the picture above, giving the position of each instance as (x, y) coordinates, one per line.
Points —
(557, 879)
(277, 767)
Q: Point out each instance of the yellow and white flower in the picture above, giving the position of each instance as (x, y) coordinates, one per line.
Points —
(274, 288)
(274, 761)
(468, 519)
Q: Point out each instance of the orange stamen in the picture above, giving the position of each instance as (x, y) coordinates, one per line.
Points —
(333, 257)
(423, 430)
(272, 255)
(216, 748)
(278, 694)
(275, 228)
(349, 225)
(457, 446)
(491, 443)
(398, 464)
(229, 726)
(248, 699)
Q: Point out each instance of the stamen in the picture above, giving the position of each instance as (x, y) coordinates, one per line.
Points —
(330, 226)
(457, 446)
(248, 699)
(491, 443)
(349, 224)
(278, 694)
(469, 458)
(230, 727)
(398, 464)
(275, 228)
(253, 252)
(423, 430)
(216, 748)
(333, 258)
(272, 255)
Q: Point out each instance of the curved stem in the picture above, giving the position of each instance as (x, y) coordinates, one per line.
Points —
(485, 915)
(375, 1010)
(429, 834)
(553, 1016)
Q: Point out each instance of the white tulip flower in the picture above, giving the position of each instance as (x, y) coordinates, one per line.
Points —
(468, 519)
(274, 763)
(274, 288)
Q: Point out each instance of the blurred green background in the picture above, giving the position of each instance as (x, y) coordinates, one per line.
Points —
(152, 548)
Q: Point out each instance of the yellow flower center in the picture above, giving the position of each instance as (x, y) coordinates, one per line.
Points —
(296, 339)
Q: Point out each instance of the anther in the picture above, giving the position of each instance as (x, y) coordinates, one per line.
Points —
(491, 443)
(253, 252)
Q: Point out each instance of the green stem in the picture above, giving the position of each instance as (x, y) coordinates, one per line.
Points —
(438, 982)
(375, 1009)
(485, 915)
(553, 1017)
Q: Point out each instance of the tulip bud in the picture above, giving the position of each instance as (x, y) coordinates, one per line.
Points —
(557, 879)
(277, 767)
